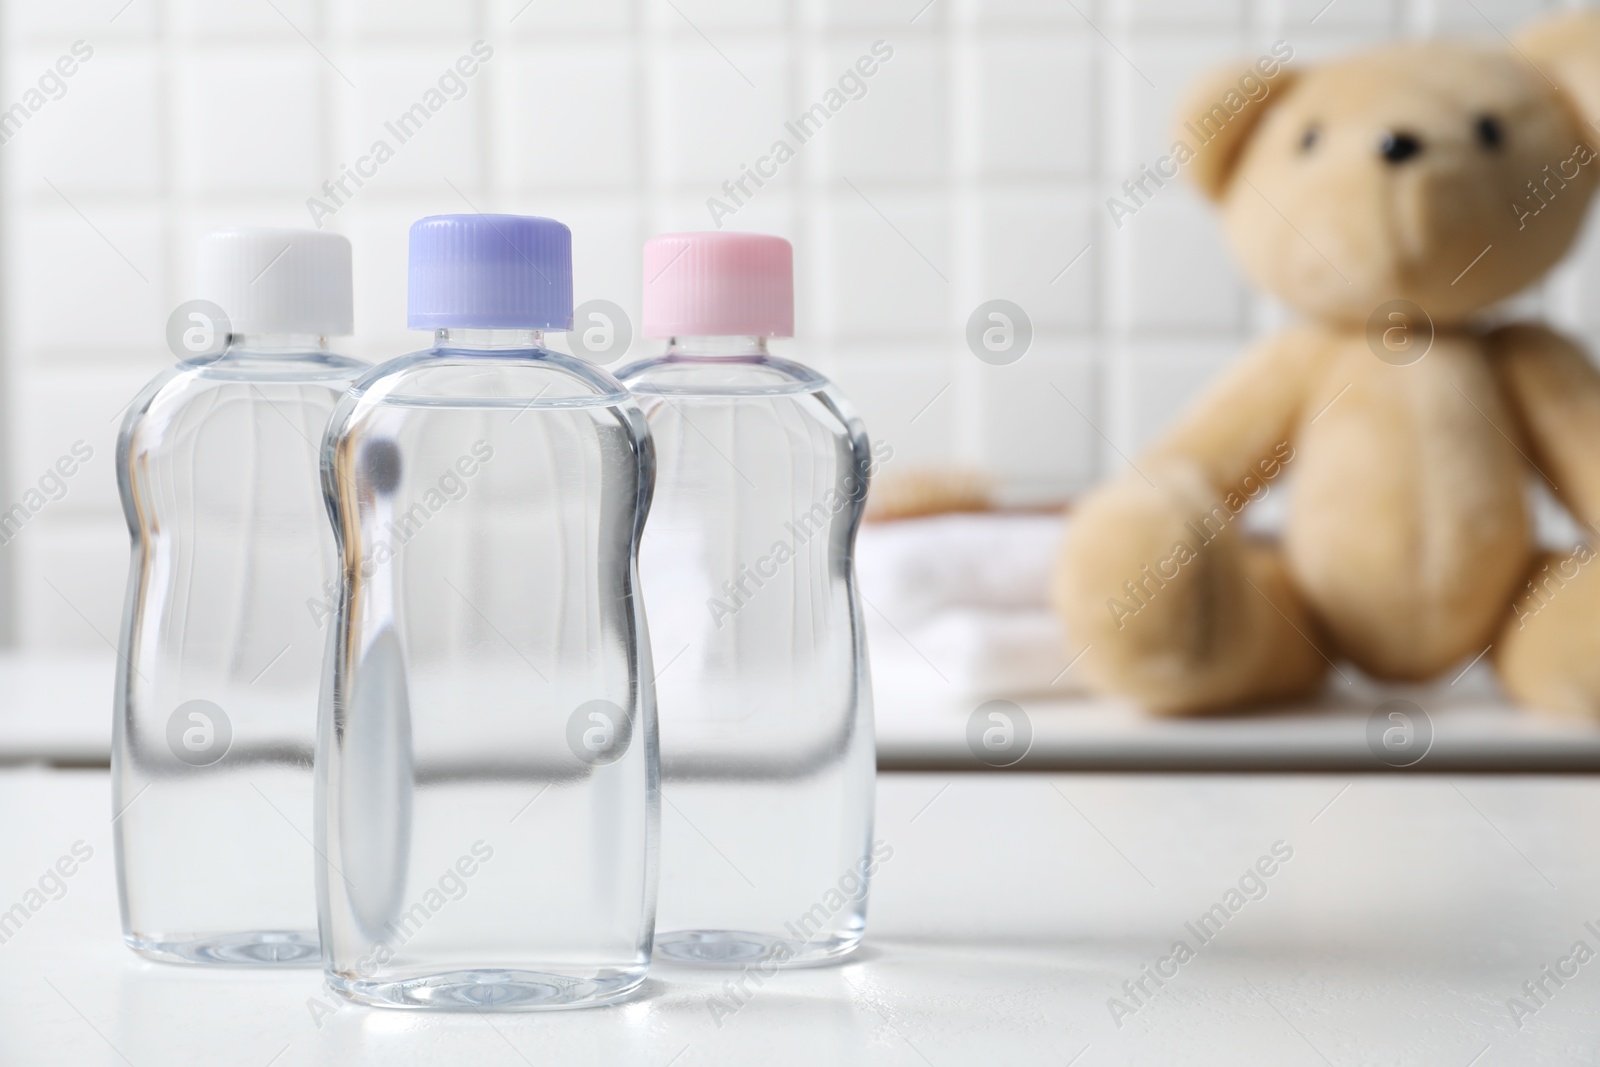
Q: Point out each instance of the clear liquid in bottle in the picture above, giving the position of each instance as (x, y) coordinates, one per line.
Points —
(768, 759)
(226, 613)
(488, 769)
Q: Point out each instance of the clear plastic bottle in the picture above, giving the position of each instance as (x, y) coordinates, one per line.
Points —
(223, 630)
(487, 766)
(766, 705)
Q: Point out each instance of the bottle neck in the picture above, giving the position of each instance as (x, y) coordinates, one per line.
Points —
(278, 342)
(487, 340)
(701, 347)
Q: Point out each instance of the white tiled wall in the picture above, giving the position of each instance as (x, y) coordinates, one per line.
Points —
(976, 166)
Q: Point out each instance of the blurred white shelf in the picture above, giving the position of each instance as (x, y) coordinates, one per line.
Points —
(58, 710)
(1468, 734)
(55, 709)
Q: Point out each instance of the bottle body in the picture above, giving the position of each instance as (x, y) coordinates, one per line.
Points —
(767, 750)
(221, 651)
(487, 790)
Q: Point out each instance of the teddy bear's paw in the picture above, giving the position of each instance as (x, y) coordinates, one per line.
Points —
(1123, 571)
(1140, 582)
(1546, 653)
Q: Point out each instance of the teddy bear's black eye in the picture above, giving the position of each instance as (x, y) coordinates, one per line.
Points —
(1308, 140)
(1490, 135)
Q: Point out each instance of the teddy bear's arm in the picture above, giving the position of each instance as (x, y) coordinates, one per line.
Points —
(1555, 391)
(1243, 418)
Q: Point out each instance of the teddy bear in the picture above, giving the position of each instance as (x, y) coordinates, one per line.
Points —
(1389, 200)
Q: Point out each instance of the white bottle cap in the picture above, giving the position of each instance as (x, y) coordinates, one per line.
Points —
(278, 280)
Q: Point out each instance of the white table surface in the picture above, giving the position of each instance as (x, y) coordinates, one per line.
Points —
(1014, 906)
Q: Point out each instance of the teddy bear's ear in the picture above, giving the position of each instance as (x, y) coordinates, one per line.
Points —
(1221, 113)
(1566, 50)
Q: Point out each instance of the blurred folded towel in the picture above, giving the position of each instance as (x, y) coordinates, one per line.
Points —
(961, 603)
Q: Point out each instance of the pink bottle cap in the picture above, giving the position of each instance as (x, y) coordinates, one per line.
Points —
(718, 285)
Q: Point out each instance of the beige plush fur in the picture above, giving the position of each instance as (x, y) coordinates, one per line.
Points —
(920, 491)
(1392, 175)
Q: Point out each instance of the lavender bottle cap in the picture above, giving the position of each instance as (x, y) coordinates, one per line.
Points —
(490, 272)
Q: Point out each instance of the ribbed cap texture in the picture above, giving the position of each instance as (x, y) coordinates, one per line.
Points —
(718, 285)
(490, 272)
(278, 280)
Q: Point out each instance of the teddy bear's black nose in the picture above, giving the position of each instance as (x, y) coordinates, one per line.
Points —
(1399, 147)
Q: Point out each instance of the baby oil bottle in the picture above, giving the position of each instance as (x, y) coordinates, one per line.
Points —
(227, 607)
(765, 701)
(487, 763)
